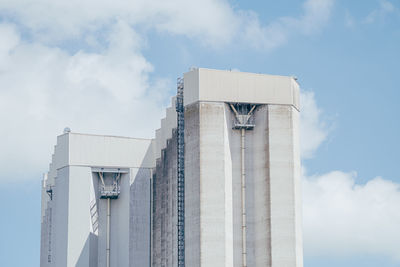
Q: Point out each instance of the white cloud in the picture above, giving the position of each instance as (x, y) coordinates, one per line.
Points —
(9, 39)
(108, 91)
(385, 8)
(342, 218)
(103, 89)
(212, 22)
(316, 14)
(313, 130)
(45, 89)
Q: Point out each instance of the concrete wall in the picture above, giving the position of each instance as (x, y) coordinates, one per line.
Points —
(52, 220)
(230, 86)
(213, 187)
(164, 199)
(139, 218)
(109, 151)
(213, 232)
(213, 224)
(144, 216)
(60, 212)
(285, 186)
(164, 202)
(213, 182)
(258, 190)
(78, 228)
(78, 246)
(192, 186)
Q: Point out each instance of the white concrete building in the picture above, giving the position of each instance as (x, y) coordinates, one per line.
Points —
(74, 216)
(241, 191)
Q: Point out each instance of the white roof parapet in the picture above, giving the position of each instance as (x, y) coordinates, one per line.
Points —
(100, 151)
(109, 151)
(242, 87)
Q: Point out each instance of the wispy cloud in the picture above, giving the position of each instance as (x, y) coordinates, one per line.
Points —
(316, 13)
(313, 128)
(385, 8)
(349, 19)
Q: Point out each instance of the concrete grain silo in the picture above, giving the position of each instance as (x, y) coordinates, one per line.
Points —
(219, 185)
(96, 202)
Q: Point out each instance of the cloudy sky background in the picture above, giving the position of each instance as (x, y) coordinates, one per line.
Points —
(109, 67)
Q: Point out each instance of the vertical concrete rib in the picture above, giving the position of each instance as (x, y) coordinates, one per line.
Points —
(212, 184)
(192, 185)
(229, 236)
(284, 186)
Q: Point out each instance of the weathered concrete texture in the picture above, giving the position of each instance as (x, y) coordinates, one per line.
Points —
(139, 218)
(49, 218)
(164, 201)
(60, 212)
(144, 217)
(192, 186)
(239, 87)
(257, 189)
(165, 132)
(157, 216)
(218, 146)
(285, 186)
(119, 232)
(213, 187)
(79, 225)
(74, 220)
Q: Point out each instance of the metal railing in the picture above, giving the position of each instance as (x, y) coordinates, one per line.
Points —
(110, 191)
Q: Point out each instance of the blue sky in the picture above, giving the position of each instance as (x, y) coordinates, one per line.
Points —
(98, 66)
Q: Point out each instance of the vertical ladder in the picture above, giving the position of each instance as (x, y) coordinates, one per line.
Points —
(181, 172)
